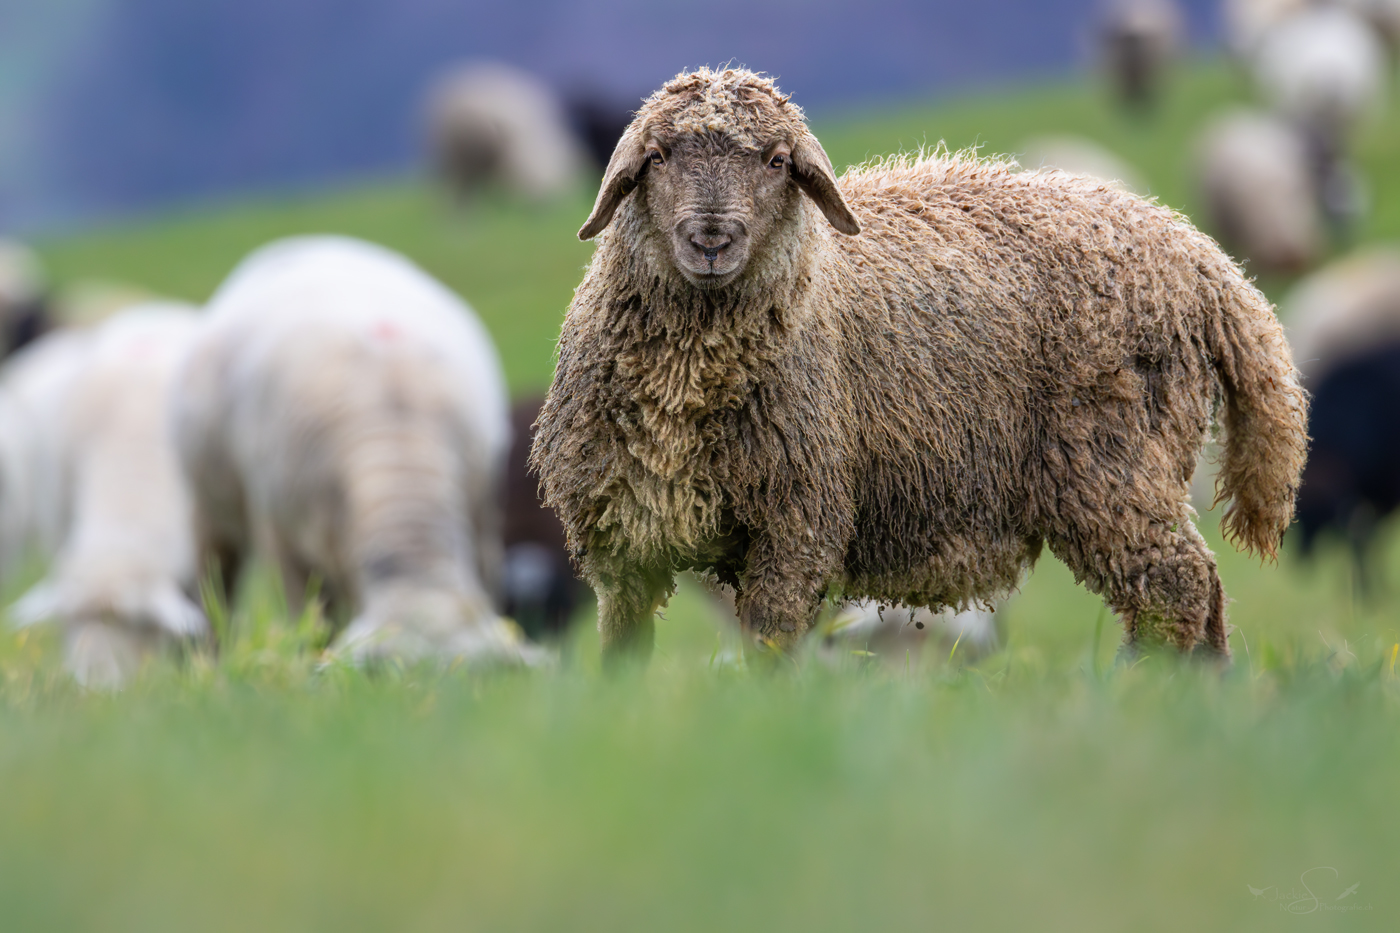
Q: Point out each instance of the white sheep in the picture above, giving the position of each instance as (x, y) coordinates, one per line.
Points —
(345, 413)
(1324, 68)
(1258, 190)
(1384, 15)
(893, 631)
(91, 468)
(1247, 22)
(491, 122)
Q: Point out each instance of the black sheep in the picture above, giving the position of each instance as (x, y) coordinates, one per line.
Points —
(1352, 479)
(540, 589)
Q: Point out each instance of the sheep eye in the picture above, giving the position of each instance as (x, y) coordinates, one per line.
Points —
(655, 157)
(777, 161)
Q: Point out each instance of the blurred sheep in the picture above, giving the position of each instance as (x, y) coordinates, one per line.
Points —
(894, 632)
(1343, 310)
(1324, 68)
(540, 589)
(1080, 156)
(91, 468)
(491, 123)
(23, 302)
(345, 413)
(1344, 323)
(1384, 17)
(86, 302)
(1139, 39)
(599, 119)
(1258, 192)
(888, 631)
(1248, 21)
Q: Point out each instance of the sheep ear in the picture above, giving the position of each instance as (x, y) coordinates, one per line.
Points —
(815, 176)
(623, 172)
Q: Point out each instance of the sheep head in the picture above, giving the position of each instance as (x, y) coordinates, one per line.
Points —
(721, 159)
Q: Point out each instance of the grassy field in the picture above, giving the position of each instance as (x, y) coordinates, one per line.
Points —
(1041, 788)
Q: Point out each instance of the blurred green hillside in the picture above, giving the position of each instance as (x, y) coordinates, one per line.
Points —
(1041, 788)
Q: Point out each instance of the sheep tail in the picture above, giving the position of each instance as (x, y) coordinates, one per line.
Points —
(1265, 418)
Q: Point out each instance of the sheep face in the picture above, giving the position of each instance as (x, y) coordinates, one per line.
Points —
(715, 200)
(720, 161)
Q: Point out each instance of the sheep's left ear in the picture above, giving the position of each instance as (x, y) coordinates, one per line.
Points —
(624, 171)
(815, 176)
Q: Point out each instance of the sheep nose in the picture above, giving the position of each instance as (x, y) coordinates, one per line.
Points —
(710, 244)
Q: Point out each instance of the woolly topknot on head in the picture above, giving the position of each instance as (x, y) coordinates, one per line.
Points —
(722, 155)
(742, 105)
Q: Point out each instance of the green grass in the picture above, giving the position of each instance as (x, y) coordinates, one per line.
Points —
(1042, 788)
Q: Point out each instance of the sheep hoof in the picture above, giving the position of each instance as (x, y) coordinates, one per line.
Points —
(105, 657)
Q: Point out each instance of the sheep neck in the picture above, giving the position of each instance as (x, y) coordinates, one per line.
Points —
(686, 362)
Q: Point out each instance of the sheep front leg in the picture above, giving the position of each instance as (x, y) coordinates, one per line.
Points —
(782, 590)
(628, 597)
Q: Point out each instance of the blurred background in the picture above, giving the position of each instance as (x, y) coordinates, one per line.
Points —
(109, 105)
(146, 146)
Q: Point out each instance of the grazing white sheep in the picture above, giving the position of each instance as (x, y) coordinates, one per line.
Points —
(491, 122)
(1258, 190)
(346, 414)
(90, 468)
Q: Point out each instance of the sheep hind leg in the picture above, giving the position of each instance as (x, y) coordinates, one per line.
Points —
(1165, 589)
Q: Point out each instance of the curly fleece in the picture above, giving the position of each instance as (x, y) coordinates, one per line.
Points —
(999, 359)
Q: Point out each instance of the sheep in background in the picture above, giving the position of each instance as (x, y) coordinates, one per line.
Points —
(1384, 17)
(743, 392)
(1080, 156)
(895, 632)
(1248, 21)
(889, 631)
(345, 413)
(1257, 191)
(1139, 39)
(35, 386)
(541, 591)
(23, 301)
(599, 119)
(1324, 69)
(86, 302)
(91, 462)
(1344, 309)
(489, 122)
(1344, 323)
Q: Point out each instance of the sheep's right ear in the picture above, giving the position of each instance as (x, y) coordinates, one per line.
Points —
(625, 167)
(817, 179)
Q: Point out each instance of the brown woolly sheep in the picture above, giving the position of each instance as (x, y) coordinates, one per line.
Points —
(1001, 359)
